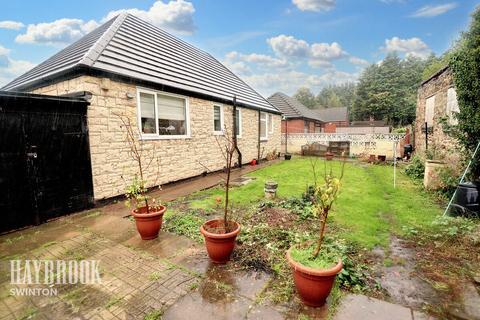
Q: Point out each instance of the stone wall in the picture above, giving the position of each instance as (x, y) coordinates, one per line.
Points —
(174, 159)
(437, 86)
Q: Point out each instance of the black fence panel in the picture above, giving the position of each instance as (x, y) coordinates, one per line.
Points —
(45, 169)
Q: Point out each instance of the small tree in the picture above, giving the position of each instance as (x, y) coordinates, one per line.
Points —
(324, 197)
(137, 191)
(226, 144)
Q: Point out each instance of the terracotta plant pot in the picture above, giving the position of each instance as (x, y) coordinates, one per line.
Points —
(313, 285)
(149, 224)
(329, 156)
(219, 245)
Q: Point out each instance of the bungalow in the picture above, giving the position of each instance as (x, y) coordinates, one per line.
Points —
(297, 117)
(177, 96)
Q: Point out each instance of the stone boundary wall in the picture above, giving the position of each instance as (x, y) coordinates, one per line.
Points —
(174, 159)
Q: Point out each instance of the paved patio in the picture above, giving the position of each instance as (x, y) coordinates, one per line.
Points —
(169, 278)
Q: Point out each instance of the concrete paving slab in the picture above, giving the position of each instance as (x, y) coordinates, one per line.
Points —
(360, 307)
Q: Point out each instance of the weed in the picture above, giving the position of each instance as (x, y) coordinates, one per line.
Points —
(113, 301)
(187, 224)
(154, 276)
(154, 315)
(29, 313)
(49, 244)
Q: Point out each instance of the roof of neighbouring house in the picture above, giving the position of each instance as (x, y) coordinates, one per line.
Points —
(128, 47)
(333, 114)
(291, 107)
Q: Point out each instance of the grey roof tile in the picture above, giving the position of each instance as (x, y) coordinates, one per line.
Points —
(292, 108)
(131, 47)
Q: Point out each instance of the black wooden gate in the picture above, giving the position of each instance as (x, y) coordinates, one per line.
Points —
(45, 169)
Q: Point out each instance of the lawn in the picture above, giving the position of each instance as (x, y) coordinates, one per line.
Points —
(368, 210)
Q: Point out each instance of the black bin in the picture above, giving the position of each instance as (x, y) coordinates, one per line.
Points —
(467, 200)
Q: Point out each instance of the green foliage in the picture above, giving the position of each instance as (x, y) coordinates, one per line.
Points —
(388, 91)
(187, 224)
(448, 182)
(435, 64)
(136, 193)
(416, 168)
(465, 64)
(306, 97)
(334, 96)
(154, 315)
(327, 258)
(445, 228)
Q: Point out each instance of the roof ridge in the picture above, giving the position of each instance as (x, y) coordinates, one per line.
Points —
(96, 49)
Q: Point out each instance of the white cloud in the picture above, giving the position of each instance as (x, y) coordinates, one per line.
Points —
(288, 46)
(12, 25)
(175, 16)
(358, 61)
(319, 55)
(326, 52)
(10, 68)
(433, 11)
(411, 47)
(290, 80)
(260, 60)
(314, 5)
(58, 32)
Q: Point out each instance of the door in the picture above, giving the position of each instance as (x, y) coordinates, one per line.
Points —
(45, 169)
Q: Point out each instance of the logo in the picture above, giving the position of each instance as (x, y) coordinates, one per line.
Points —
(45, 274)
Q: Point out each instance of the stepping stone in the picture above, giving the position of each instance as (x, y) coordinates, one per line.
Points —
(360, 307)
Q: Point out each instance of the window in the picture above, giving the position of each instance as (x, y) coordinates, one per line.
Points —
(429, 110)
(306, 126)
(238, 123)
(147, 113)
(218, 119)
(452, 106)
(162, 115)
(263, 126)
(270, 123)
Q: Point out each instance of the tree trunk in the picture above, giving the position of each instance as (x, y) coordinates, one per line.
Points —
(323, 223)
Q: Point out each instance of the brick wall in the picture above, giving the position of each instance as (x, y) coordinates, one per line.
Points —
(175, 159)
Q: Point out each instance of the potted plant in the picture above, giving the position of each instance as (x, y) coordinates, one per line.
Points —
(329, 156)
(315, 268)
(220, 234)
(148, 213)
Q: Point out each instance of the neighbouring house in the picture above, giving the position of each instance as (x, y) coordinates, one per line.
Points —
(436, 102)
(297, 118)
(177, 96)
(333, 118)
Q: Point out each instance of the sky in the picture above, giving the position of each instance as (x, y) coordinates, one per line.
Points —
(273, 45)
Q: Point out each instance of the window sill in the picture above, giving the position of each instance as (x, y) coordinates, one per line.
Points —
(264, 139)
(158, 137)
(218, 133)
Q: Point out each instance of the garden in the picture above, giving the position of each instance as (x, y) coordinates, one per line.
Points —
(365, 221)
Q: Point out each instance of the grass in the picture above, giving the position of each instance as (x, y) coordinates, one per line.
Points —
(368, 210)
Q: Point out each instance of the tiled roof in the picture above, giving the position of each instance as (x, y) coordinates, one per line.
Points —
(130, 47)
(333, 114)
(292, 108)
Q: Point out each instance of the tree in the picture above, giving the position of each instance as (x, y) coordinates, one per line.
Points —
(387, 91)
(306, 97)
(342, 95)
(465, 64)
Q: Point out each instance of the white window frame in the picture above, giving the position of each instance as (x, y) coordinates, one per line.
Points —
(270, 123)
(265, 138)
(430, 112)
(452, 106)
(239, 135)
(222, 122)
(156, 136)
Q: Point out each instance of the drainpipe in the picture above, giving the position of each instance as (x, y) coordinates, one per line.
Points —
(235, 131)
(286, 134)
(259, 125)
